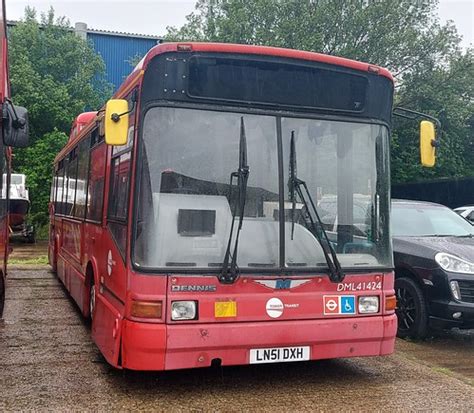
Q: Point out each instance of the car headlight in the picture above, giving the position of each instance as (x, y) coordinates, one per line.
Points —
(183, 310)
(452, 263)
(368, 304)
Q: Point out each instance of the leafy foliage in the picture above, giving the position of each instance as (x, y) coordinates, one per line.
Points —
(40, 157)
(55, 75)
(432, 74)
(448, 93)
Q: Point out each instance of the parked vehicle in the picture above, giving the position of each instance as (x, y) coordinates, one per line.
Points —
(13, 133)
(466, 212)
(182, 226)
(361, 214)
(434, 268)
(19, 207)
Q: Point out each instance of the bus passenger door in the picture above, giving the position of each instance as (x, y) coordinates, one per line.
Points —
(117, 211)
(101, 251)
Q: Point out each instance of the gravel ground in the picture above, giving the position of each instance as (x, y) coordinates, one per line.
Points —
(48, 362)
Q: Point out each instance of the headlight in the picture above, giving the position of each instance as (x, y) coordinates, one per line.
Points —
(452, 263)
(183, 310)
(368, 305)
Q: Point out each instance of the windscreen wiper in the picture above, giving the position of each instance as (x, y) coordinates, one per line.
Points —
(295, 186)
(229, 274)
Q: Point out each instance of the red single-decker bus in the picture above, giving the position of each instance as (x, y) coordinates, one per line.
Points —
(230, 205)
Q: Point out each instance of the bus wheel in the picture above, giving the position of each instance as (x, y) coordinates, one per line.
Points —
(92, 298)
(411, 310)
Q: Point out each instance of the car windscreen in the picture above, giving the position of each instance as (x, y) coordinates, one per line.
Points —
(422, 220)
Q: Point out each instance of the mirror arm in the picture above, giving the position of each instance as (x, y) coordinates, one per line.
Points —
(413, 114)
(116, 116)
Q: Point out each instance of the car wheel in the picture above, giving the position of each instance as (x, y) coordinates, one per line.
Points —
(411, 309)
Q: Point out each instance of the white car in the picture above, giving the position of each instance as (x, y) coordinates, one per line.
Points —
(466, 212)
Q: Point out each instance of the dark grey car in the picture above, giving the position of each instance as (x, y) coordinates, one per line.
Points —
(434, 268)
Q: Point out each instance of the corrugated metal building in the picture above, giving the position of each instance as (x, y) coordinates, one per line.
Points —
(120, 51)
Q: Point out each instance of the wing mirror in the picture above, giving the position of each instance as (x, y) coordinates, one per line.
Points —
(16, 128)
(428, 139)
(116, 122)
(427, 143)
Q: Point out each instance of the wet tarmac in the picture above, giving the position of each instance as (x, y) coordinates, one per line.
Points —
(451, 352)
(48, 362)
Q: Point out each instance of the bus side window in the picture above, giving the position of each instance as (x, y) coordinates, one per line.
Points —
(71, 187)
(82, 178)
(95, 198)
(63, 208)
(119, 184)
(57, 187)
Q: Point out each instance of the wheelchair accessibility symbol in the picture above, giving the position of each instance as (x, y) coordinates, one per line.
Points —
(348, 304)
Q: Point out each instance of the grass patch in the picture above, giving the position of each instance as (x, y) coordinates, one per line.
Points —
(443, 370)
(41, 260)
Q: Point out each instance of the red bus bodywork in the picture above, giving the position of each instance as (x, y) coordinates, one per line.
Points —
(85, 253)
(5, 153)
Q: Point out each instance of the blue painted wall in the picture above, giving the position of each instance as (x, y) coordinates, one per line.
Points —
(117, 51)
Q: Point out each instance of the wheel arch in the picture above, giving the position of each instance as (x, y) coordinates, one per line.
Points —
(409, 273)
(92, 272)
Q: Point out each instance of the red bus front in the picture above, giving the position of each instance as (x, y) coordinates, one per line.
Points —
(246, 220)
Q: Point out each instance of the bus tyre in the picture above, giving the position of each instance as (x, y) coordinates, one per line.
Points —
(92, 300)
(411, 309)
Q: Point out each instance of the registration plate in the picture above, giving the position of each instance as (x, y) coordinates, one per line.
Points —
(279, 354)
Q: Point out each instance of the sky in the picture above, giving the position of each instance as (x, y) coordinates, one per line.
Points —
(153, 16)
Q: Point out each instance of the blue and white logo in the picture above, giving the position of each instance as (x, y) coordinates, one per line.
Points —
(348, 304)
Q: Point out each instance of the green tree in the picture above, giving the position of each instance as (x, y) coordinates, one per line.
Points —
(55, 75)
(399, 35)
(448, 92)
(432, 74)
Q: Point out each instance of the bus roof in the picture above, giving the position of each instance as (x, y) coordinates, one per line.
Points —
(238, 49)
(249, 49)
(262, 50)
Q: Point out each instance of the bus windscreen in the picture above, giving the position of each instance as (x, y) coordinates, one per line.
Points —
(271, 82)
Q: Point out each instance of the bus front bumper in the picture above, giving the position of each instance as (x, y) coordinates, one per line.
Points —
(180, 346)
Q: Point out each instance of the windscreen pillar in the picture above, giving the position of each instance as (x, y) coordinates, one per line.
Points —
(345, 192)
